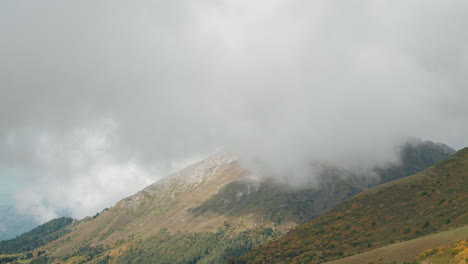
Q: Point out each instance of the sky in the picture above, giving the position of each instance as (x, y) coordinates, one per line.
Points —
(100, 98)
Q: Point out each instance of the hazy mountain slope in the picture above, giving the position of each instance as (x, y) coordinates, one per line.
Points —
(212, 194)
(432, 200)
(12, 223)
(164, 204)
(415, 156)
(409, 251)
(273, 201)
(268, 202)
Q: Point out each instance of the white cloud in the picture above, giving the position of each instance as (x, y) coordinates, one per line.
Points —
(99, 91)
(80, 175)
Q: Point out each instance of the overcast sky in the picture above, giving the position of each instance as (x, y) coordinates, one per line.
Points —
(101, 98)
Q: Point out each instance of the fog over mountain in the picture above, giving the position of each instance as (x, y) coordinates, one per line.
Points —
(100, 99)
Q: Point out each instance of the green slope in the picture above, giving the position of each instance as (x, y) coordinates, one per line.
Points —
(202, 248)
(433, 200)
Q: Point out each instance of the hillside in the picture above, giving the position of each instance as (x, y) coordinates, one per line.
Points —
(433, 200)
(217, 205)
(164, 204)
(202, 197)
(455, 253)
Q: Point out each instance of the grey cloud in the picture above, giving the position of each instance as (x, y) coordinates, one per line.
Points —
(284, 82)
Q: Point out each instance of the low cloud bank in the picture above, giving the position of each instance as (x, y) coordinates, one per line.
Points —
(100, 99)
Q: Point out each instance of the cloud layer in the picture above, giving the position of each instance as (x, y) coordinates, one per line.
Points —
(101, 98)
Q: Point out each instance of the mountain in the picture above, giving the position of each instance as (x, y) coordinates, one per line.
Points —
(276, 202)
(215, 209)
(433, 200)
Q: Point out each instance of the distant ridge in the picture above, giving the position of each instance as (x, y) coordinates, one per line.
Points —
(37, 237)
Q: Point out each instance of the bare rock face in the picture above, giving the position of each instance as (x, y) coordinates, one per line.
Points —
(186, 179)
(194, 175)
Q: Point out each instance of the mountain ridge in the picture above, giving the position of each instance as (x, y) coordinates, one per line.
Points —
(219, 199)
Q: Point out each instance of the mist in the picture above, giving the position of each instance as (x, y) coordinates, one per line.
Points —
(100, 99)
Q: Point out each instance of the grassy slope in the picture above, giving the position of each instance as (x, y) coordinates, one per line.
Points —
(202, 248)
(455, 253)
(433, 200)
(407, 250)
